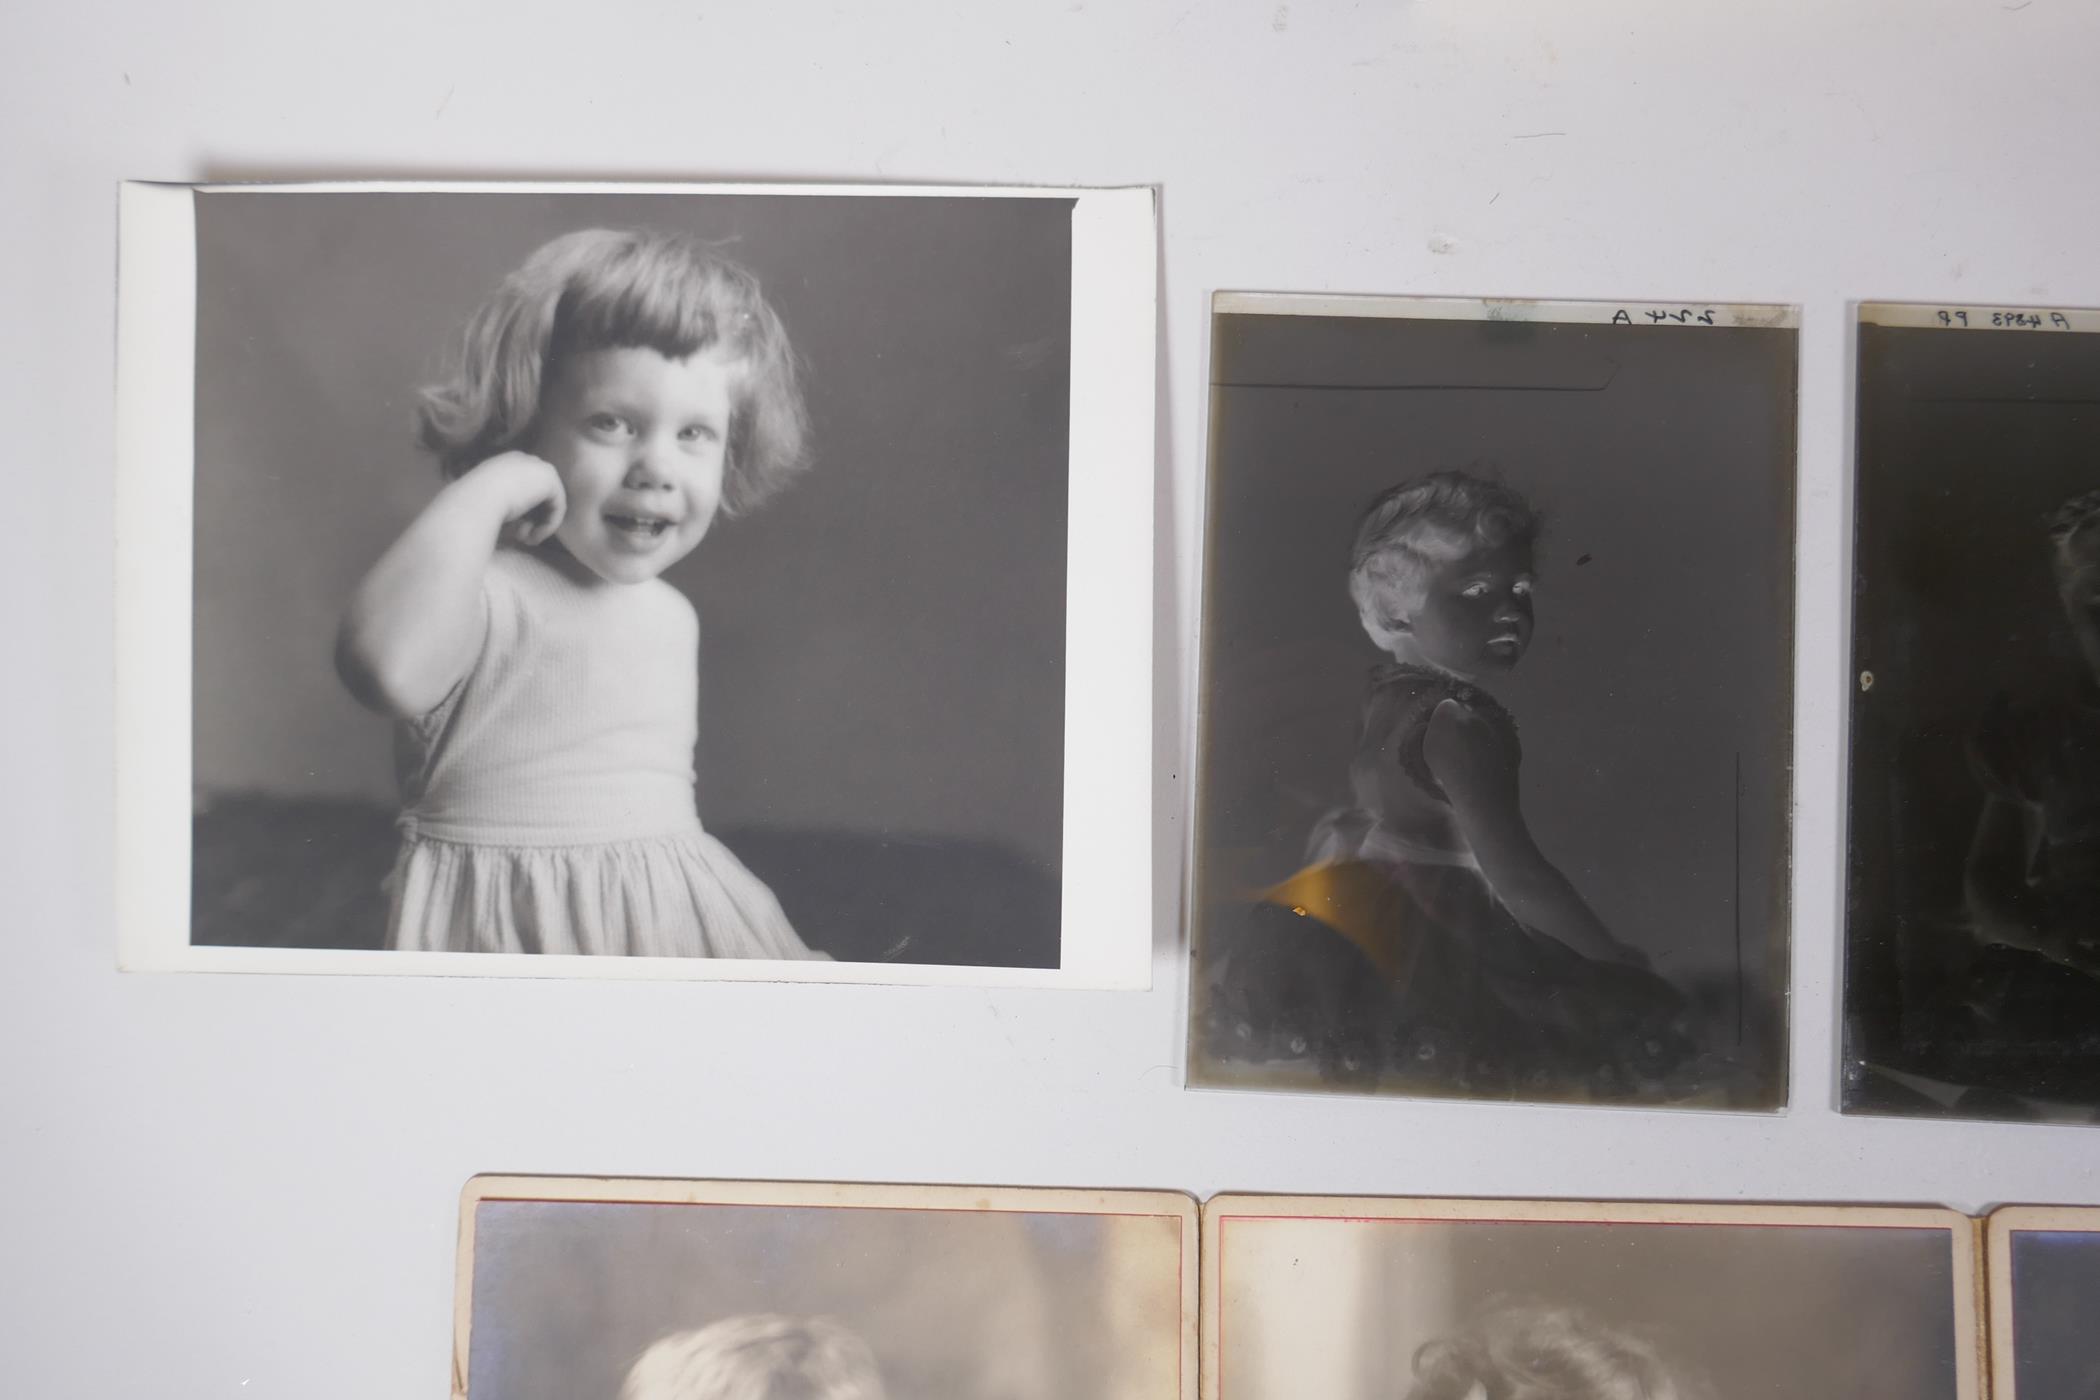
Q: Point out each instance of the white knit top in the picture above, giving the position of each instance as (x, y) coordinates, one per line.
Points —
(548, 801)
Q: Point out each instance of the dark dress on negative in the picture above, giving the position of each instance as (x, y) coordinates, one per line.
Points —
(1389, 955)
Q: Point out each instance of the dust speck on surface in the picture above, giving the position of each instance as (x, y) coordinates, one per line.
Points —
(1442, 243)
(1281, 20)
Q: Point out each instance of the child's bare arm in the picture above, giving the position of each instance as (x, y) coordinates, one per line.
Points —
(2005, 907)
(1476, 764)
(1994, 880)
(414, 621)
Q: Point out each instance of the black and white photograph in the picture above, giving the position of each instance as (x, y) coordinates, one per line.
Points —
(1494, 743)
(637, 1290)
(1972, 941)
(2044, 1277)
(1355, 1299)
(636, 581)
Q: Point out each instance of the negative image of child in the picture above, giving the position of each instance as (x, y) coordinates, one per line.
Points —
(1428, 938)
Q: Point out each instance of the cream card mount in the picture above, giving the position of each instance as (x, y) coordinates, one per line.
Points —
(660, 1290)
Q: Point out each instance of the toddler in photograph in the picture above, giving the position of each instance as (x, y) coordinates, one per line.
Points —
(618, 395)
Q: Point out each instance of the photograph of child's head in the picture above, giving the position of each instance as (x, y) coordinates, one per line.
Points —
(1496, 697)
(677, 576)
(663, 1301)
(1368, 1309)
(1537, 1351)
(1973, 938)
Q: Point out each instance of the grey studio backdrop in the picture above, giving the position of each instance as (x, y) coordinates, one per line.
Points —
(882, 645)
(1655, 702)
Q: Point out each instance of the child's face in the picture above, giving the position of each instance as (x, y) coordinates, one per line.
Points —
(1477, 617)
(639, 441)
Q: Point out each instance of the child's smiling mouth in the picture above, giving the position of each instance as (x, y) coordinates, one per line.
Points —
(639, 524)
(638, 531)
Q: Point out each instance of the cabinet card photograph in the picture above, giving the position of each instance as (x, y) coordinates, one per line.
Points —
(1972, 962)
(593, 1289)
(2045, 1291)
(1357, 1299)
(1495, 709)
(668, 581)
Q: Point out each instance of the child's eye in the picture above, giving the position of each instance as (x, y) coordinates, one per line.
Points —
(607, 423)
(1522, 587)
(697, 432)
(1473, 590)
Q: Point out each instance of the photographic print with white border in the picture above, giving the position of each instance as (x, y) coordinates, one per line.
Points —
(520, 468)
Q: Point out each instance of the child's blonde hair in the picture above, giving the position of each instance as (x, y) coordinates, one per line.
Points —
(1412, 530)
(760, 1356)
(1535, 1352)
(604, 289)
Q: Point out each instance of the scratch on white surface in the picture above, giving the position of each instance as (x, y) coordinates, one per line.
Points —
(1000, 1021)
(1182, 18)
(446, 103)
(1535, 135)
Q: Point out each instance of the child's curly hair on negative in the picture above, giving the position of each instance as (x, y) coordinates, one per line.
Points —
(2068, 523)
(1411, 530)
(604, 289)
(758, 1356)
(1530, 1351)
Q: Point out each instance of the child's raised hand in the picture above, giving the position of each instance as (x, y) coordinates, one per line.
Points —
(527, 490)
